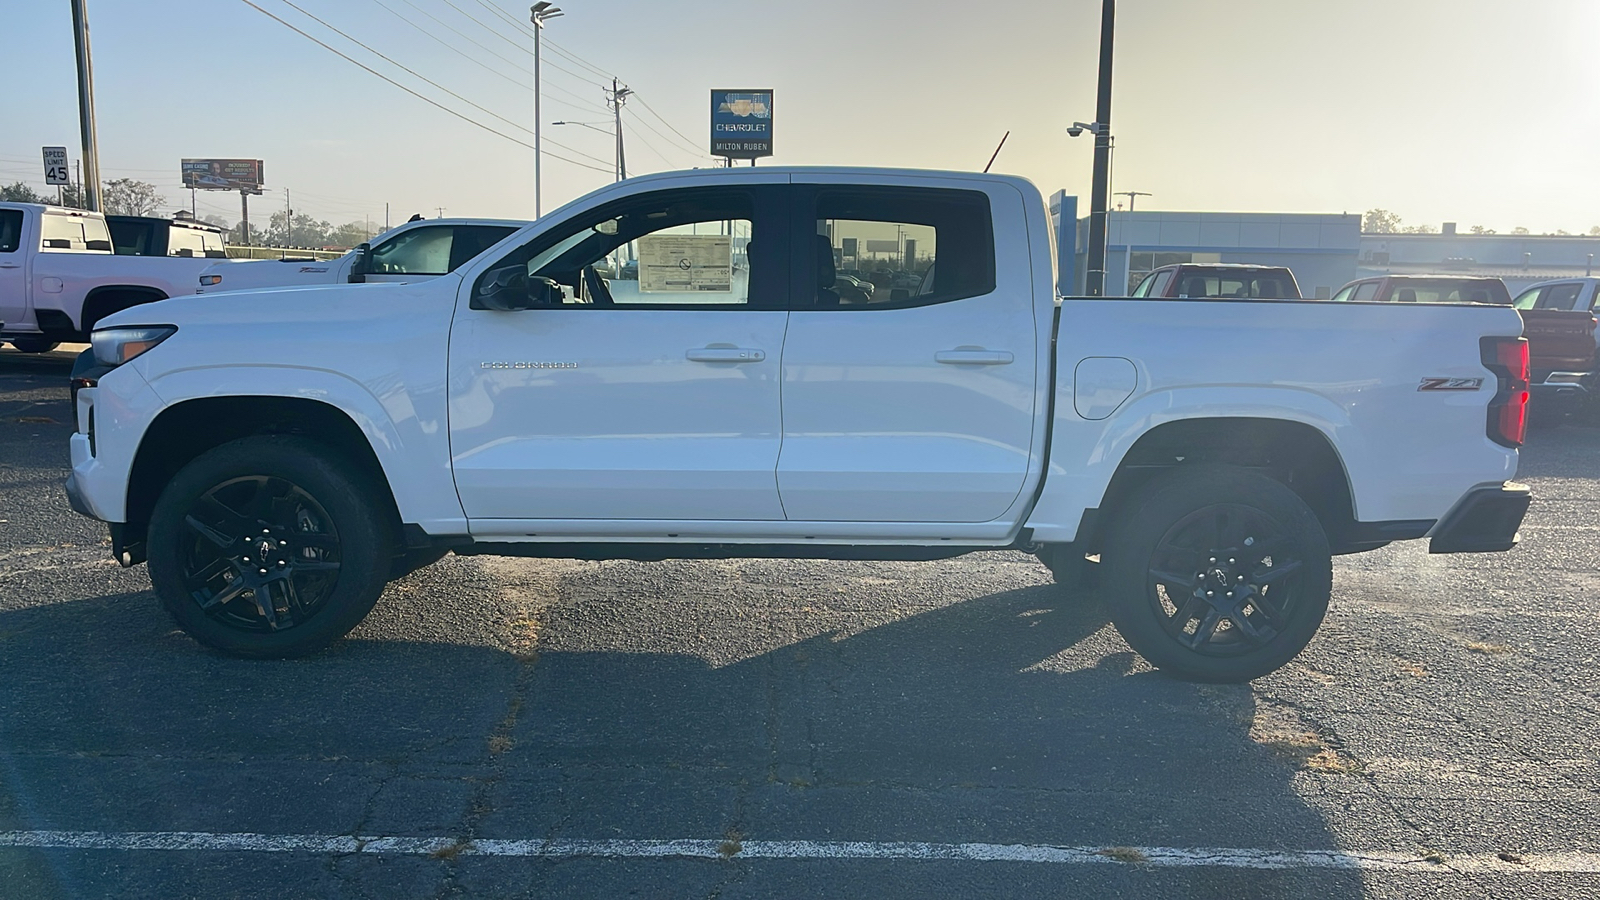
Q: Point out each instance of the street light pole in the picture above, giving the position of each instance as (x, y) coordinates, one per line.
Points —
(538, 13)
(1095, 271)
(90, 184)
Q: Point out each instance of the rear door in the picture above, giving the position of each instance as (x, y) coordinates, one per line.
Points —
(917, 405)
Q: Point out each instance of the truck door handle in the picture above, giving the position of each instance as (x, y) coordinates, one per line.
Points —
(9, 265)
(726, 355)
(966, 357)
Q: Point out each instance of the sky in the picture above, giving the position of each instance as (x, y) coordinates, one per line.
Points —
(1473, 111)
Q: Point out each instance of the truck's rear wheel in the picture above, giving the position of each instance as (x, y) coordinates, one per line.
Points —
(1217, 573)
(267, 547)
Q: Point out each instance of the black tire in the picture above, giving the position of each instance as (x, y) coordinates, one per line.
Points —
(1216, 573)
(34, 345)
(319, 534)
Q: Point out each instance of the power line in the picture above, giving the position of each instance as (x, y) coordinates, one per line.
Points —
(578, 59)
(415, 73)
(638, 120)
(429, 100)
(690, 142)
(581, 102)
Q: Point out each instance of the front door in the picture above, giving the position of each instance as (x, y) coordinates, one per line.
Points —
(915, 402)
(429, 251)
(649, 394)
(13, 269)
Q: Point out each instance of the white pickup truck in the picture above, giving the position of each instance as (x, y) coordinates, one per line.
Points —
(280, 457)
(425, 248)
(59, 275)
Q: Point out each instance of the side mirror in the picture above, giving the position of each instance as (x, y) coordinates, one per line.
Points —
(361, 264)
(898, 294)
(510, 288)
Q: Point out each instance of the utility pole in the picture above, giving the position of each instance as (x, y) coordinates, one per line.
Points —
(441, 211)
(288, 221)
(1095, 271)
(385, 215)
(244, 215)
(91, 150)
(1132, 195)
(617, 96)
(538, 13)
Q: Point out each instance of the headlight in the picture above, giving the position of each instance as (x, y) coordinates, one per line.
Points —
(210, 280)
(115, 346)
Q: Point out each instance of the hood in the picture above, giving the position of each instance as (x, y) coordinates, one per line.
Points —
(248, 274)
(278, 305)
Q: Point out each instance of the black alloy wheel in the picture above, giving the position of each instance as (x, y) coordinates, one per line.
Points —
(1222, 580)
(263, 554)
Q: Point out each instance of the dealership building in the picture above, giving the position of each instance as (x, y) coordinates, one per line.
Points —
(1324, 250)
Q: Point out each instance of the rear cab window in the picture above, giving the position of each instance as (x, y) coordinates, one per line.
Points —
(67, 232)
(910, 246)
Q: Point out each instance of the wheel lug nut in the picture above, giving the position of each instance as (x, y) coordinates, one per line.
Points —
(1231, 560)
(246, 559)
(282, 562)
(1213, 559)
(1211, 593)
(263, 571)
(1239, 578)
(283, 543)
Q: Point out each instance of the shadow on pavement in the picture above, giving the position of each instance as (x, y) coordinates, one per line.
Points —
(973, 722)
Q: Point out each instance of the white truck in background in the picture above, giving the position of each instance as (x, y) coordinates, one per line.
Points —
(425, 248)
(59, 275)
(277, 462)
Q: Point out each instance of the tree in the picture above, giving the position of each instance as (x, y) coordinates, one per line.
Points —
(1380, 221)
(1595, 231)
(127, 197)
(214, 219)
(1418, 229)
(1479, 229)
(349, 234)
(1519, 230)
(20, 192)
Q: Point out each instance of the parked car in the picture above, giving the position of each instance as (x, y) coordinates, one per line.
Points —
(59, 275)
(1236, 281)
(426, 248)
(278, 458)
(155, 236)
(1577, 294)
(853, 290)
(1561, 342)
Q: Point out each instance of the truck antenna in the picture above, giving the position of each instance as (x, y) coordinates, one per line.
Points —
(997, 150)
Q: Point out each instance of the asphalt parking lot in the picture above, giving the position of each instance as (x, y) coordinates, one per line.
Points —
(508, 728)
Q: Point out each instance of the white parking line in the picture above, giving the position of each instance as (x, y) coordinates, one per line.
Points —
(1167, 857)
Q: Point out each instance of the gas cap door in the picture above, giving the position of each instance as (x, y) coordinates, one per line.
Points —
(1100, 384)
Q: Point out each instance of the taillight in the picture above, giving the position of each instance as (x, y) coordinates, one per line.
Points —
(1507, 358)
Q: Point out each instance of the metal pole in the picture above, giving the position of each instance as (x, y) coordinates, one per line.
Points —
(1095, 276)
(619, 94)
(244, 213)
(91, 150)
(288, 221)
(193, 212)
(538, 153)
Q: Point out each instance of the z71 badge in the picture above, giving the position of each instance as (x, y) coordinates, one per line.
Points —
(1450, 384)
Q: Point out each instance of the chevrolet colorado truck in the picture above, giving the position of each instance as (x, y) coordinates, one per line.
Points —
(278, 456)
(59, 275)
(416, 250)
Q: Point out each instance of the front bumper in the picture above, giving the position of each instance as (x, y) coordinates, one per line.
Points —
(1486, 520)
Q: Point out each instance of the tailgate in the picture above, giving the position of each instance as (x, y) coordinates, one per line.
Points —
(1559, 340)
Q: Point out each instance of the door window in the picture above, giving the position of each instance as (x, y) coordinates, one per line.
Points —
(1344, 293)
(1560, 296)
(420, 251)
(10, 230)
(1528, 299)
(670, 249)
(878, 248)
(1367, 290)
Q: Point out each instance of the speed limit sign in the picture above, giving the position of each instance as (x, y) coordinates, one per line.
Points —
(55, 166)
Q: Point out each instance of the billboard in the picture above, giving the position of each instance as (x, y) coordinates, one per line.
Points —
(243, 175)
(741, 124)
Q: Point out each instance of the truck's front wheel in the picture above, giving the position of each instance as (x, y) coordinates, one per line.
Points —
(267, 547)
(1217, 573)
